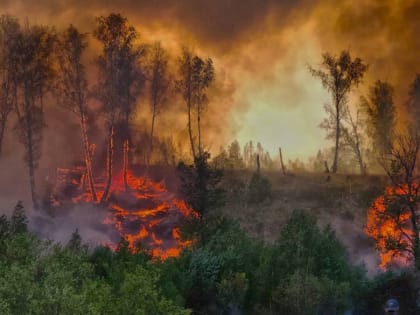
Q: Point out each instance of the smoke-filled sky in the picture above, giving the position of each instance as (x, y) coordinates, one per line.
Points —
(261, 49)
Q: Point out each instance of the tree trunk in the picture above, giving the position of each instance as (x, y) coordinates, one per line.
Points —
(337, 136)
(283, 169)
(151, 136)
(199, 130)
(88, 158)
(2, 128)
(125, 163)
(30, 161)
(258, 163)
(110, 161)
(360, 160)
(189, 129)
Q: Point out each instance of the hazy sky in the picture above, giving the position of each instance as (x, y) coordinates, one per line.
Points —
(261, 50)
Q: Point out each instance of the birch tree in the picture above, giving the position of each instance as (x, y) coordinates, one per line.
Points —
(33, 49)
(116, 84)
(338, 75)
(72, 88)
(159, 83)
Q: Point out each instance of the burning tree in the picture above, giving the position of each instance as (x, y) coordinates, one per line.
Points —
(72, 88)
(33, 49)
(338, 76)
(394, 218)
(118, 83)
(9, 29)
(159, 83)
(196, 76)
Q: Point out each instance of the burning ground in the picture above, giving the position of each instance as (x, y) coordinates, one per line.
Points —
(145, 213)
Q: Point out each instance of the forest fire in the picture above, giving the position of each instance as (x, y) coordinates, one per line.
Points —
(145, 213)
(389, 223)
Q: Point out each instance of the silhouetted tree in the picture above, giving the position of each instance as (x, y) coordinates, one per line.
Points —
(413, 104)
(353, 137)
(234, 155)
(33, 50)
(338, 75)
(195, 77)
(380, 115)
(72, 88)
(117, 79)
(200, 185)
(9, 30)
(159, 83)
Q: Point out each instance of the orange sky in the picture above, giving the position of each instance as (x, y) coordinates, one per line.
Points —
(261, 50)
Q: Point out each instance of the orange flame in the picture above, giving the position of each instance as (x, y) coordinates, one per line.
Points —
(146, 213)
(390, 225)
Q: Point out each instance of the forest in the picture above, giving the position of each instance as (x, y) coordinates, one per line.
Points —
(125, 206)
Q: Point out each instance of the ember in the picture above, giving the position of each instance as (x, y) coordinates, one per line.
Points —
(143, 213)
(389, 223)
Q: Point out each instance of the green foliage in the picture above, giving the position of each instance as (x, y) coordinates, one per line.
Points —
(259, 189)
(39, 277)
(306, 271)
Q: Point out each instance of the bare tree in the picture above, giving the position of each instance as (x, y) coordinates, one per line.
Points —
(196, 76)
(116, 84)
(353, 137)
(159, 83)
(72, 88)
(33, 50)
(380, 111)
(338, 75)
(9, 29)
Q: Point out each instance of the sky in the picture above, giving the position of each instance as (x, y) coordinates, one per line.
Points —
(261, 51)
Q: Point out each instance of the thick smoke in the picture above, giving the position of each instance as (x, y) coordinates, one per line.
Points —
(261, 50)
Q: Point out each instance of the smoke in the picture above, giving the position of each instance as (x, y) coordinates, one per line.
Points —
(88, 220)
(263, 91)
(261, 51)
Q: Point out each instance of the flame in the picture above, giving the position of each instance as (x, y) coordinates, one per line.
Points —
(391, 227)
(144, 213)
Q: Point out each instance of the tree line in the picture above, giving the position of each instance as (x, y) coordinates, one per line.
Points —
(305, 271)
(368, 132)
(37, 62)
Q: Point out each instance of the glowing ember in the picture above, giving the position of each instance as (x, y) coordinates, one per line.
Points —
(144, 213)
(389, 224)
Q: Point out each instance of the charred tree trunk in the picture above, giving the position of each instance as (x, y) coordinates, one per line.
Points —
(199, 130)
(327, 169)
(88, 157)
(151, 135)
(283, 168)
(258, 163)
(125, 163)
(337, 135)
(2, 129)
(30, 159)
(190, 129)
(360, 161)
(110, 162)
